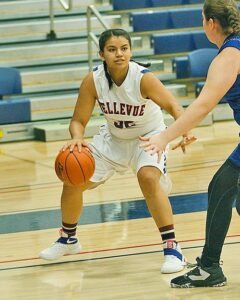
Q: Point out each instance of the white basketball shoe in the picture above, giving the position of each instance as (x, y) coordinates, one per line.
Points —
(174, 261)
(64, 245)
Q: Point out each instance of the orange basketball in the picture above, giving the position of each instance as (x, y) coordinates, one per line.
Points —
(75, 168)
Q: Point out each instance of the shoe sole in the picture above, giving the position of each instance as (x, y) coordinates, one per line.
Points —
(173, 271)
(188, 285)
(69, 252)
(181, 268)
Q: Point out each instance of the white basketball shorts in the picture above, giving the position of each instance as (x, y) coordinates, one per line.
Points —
(117, 155)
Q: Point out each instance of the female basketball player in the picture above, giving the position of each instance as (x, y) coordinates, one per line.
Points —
(221, 22)
(131, 98)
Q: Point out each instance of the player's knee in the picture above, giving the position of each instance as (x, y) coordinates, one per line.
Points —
(148, 177)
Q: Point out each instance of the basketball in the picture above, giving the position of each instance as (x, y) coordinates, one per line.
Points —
(75, 168)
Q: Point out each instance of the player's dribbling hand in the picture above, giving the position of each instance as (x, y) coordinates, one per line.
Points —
(79, 143)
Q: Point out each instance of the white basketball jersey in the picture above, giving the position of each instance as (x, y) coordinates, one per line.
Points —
(127, 113)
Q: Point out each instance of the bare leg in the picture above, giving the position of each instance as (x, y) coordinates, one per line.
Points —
(72, 202)
(157, 200)
(71, 207)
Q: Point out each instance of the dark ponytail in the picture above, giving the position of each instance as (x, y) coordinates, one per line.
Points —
(109, 79)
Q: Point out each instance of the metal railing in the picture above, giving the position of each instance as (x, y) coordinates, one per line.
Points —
(90, 35)
(67, 6)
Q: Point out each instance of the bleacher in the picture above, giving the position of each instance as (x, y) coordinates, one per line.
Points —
(136, 4)
(166, 19)
(51, 71)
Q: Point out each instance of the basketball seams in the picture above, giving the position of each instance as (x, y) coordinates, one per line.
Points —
(76, 169)
(89, 155)
(67, 169)
(80, 166)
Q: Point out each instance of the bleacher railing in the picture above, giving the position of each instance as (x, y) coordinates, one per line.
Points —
(91, 9)
(67, 6)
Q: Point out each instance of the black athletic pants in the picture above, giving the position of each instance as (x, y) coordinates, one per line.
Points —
(222, 191)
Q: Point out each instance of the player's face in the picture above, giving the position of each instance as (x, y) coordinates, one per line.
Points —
(116, 52)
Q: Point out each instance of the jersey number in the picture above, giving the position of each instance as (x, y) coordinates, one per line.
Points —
(124, 124)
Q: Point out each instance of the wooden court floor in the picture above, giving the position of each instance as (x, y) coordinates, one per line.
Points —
(122, 251)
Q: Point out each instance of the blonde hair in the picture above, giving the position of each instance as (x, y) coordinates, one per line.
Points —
(225, 12)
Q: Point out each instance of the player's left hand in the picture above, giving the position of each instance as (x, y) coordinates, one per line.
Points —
(186, 140)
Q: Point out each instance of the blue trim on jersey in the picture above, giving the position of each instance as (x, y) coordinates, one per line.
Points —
(95, 69)
(231, 41)
(145, 71)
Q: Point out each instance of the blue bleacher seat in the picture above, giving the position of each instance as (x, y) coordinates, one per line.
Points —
(131, 4)
(15, 111)
(172, 42)
(10, 82)
(180, 42)
(200, 40)
(146, 21)
(192, 1)
(126, 4)
(185, 18)
(195, 64)
(159, 3)
(166, 19)
(199, 61)
(180, 66)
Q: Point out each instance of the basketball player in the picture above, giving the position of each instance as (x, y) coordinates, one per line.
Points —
(221, 22)
(131, 99)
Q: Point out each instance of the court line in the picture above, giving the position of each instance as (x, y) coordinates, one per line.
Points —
(102, 202)
(174, 169)
(107, 257)
(24, 188)
(97, 213)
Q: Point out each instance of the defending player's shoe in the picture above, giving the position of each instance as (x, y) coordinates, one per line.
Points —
(64, 245)
(174, 260)
(201, 277)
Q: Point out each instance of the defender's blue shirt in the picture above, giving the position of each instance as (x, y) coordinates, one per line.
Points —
(233, 95)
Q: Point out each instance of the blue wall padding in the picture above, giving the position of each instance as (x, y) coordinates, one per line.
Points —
(14, 111)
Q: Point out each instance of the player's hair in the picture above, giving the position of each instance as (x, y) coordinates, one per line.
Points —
(104, 37)
(226, 12)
